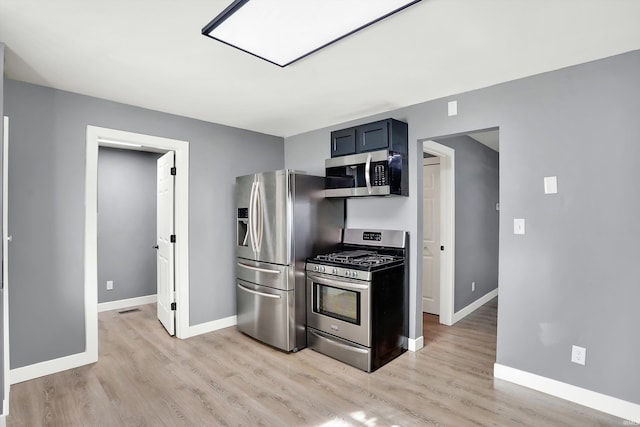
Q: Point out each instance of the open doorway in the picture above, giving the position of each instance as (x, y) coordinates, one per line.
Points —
(127, 211)
(96, 137)
(460, 224)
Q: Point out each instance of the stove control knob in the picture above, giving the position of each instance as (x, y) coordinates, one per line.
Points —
(354, 274)
(335, 270)
(347, 273)
(315, 268)
(322, 269)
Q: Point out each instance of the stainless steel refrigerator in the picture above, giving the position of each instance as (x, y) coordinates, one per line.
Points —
(282, 219)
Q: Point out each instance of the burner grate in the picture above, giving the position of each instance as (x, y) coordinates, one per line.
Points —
(361, 258)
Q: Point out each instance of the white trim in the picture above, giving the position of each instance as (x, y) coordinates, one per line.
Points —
(148, 143)
(90, 259)
(598, 401)
(447, 228)
(5, 267)
(3, 418)
(459, 315)
(126, 303)
(417, 344)
(214, 325)
(29, 372)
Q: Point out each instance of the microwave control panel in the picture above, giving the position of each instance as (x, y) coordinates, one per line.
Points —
(380, 174)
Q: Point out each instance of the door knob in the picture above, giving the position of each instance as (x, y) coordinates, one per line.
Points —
(156, 247)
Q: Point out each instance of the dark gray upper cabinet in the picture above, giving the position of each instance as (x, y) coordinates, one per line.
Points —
(385, 134)
(343, 142)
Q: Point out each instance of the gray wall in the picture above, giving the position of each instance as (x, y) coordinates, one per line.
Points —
(46, 214)
(476, 258)
(1, 246)
(126, 223)
(572, 279)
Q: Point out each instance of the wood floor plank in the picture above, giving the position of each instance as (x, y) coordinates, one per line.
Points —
(146, 378)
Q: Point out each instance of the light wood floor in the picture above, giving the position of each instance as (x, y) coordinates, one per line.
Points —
(145, 378)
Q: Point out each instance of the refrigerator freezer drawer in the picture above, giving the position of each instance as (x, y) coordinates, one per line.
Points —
(265, 274)
(263, 313)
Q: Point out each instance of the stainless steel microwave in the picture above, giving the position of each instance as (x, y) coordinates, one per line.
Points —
(376, 173)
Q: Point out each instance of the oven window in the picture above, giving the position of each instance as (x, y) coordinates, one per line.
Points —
(338, 303)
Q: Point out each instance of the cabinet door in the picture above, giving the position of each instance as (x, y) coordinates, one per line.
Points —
(373, 136)
(343, 142)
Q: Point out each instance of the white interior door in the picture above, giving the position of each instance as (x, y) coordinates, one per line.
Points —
(431, 236)
(165, 248)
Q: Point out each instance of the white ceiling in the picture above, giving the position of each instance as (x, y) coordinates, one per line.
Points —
(150, 53)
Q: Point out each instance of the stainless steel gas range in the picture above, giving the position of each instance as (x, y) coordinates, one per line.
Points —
(357, 309)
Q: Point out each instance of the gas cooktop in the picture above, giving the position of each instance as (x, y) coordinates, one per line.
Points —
(359, 259)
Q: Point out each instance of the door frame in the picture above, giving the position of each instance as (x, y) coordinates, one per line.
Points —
(98, 136)
(447, 228)
(5, 266)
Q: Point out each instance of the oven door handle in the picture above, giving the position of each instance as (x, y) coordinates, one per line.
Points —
(261, 294)
(261, 270)
(337, 343)
(336, 283)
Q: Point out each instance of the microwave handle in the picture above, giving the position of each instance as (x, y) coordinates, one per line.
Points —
(367, 173)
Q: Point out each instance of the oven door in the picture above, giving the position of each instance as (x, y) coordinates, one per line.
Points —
(339, 306)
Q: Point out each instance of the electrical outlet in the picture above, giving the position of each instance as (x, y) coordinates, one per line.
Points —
(109, 285)
(473, 286)
(578, 355)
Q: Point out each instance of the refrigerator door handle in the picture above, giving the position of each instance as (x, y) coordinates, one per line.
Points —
(261, 270)
(249, 225)
(260, 216)
(252, 220)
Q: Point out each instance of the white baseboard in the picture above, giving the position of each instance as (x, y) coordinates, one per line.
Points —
(48, 367)
(207, 327)
(417, 344)
(601, 402)
(459, 315)
(126, 303)
(3, 421)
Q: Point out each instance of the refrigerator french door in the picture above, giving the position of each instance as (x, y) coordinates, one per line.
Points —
(282, 219)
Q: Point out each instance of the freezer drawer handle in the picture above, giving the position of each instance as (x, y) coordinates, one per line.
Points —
(262, 294)
(261, 270)
(339, 344)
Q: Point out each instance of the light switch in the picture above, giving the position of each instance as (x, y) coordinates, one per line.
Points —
(453, 108)
(550, 185)
(518, 226)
